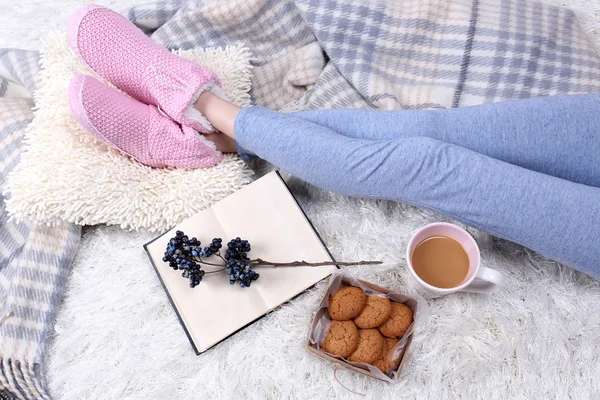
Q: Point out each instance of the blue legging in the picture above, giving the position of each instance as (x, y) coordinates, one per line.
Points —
(527, 171)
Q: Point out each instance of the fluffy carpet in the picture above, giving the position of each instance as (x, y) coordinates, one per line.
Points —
(118, 338)
(89, 183)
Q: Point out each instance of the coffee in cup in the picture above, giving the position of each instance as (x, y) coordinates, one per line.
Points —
(445, 258)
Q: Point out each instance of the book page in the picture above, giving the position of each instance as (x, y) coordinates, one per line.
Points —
(214, 309)
(266, 214)
(270, 219)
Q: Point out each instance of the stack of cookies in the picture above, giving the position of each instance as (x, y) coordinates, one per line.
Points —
(365, 328)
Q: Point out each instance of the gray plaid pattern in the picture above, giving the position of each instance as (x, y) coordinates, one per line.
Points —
(389, 55)
(379, 54)
(537, 51)
(151, 16)
(34, 260)
(18, 71)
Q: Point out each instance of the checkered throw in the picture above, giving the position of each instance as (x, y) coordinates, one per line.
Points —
(385, 54)
(34, 259)
(378, 54)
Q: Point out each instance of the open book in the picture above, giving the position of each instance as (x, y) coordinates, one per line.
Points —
(266, 214)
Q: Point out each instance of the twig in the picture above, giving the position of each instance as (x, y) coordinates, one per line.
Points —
(260, 261)
(213, 272)
(201, 261)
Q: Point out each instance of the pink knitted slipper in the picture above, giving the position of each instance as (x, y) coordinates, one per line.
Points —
(137, 129)
(122, 54)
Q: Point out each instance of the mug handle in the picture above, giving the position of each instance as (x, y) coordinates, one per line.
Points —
(487, 280)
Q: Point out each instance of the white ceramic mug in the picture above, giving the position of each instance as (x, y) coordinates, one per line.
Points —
(479, 279)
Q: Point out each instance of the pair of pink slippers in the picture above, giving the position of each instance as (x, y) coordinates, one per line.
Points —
(157, 125)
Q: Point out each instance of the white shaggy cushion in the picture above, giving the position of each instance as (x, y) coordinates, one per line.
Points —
(65, 174)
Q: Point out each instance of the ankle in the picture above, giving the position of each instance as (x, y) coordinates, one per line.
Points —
(220, 113)
(203, 101)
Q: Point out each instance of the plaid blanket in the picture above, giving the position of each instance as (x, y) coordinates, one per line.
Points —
(391, 54)
(313, 54)
(34, 260)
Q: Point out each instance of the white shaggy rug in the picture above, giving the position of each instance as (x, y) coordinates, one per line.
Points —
(125, 193)
(118, 338)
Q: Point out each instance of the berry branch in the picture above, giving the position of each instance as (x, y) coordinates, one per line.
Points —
(214, 272)
(187, 255)
(260, 261)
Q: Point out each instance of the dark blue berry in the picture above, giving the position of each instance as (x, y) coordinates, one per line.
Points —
(183, 253)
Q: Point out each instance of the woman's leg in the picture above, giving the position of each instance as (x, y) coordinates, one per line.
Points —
(555, 217)
(558, 136)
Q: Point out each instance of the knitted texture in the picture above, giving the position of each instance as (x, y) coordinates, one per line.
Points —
(122, 54)
(137, 129)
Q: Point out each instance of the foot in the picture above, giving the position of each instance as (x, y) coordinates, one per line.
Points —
(222, 142)
(137, 129)
(122, 54)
